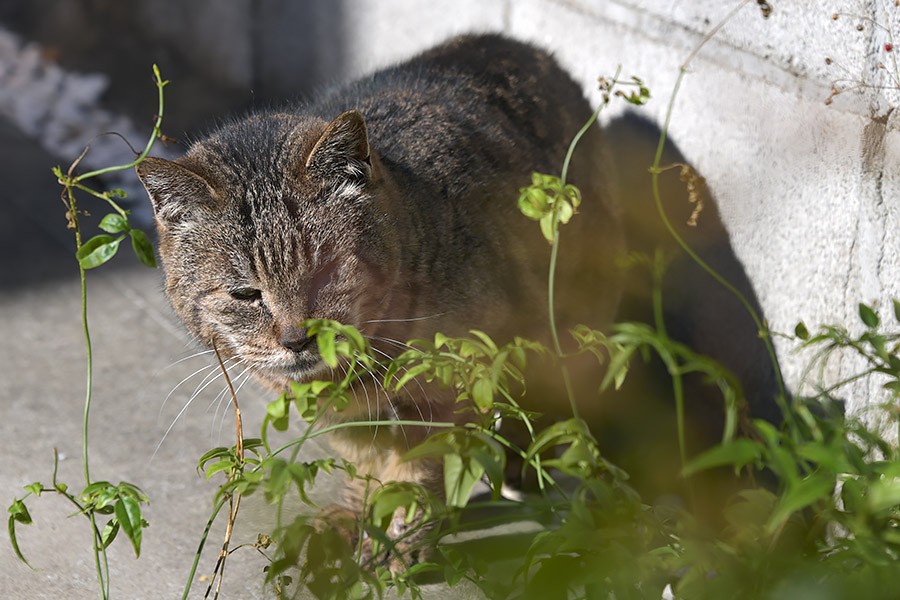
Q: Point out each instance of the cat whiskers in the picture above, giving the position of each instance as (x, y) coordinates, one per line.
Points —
(409, 320)
(406, 346)
(200, 370)
(377, 406)
(208, 379)
(188, 357)
(225, 393)
(377, 387)
(353, 389)
(365, 390)
(403, 346)
(418, 383)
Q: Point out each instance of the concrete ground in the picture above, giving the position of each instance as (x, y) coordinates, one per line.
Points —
(138, 347)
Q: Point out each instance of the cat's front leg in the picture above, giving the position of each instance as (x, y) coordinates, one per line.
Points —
(406, 538)
(406, 527)
(374, 515)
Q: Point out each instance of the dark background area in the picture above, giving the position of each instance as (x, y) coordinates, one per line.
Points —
(224, 55)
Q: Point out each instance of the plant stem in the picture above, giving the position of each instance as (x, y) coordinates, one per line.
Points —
(554, 254)
(551, 280)
(209, 525)
(234, 500)
(654, 175)
(104, 580)
(157, 132)
(69, 182)
(710, 35)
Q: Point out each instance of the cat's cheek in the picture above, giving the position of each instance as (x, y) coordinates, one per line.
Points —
(375, 294)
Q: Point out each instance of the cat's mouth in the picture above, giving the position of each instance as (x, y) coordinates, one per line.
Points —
(301, 367)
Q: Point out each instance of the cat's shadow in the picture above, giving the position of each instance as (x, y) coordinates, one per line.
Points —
(636, 425)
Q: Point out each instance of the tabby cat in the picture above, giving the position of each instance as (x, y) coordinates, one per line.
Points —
(388, 204)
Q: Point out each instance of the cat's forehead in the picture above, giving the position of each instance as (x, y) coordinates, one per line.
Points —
(257, 164)
(259, 150)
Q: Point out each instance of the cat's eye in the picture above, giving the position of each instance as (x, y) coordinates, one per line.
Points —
(246, 294)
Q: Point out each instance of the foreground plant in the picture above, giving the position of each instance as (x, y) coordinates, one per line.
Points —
(98, 498)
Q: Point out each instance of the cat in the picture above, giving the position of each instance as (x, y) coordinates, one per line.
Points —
(389, 204)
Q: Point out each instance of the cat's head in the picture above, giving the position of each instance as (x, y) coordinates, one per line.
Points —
(271, 221)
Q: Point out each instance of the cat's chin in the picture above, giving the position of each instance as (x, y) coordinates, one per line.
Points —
(300, 370)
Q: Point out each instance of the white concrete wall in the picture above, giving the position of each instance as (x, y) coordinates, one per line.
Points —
(807, 190)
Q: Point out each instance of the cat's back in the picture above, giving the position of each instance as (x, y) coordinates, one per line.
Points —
(480, 104)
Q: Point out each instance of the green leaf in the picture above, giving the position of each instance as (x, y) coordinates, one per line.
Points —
(825, 456)
(801, 331)
(460, 476)
(276, 480)
(438, 445)
(739, 452)
(884, 494)
(278, 412)
(533, 203)
(894, 363)
(878, 344)
(547, 227)
(411, 373)
(618, 367)
(896, 309)
(35, 488)
(143, 249)
(868, 316)
(486, 339)
(12, 536)
(327, 349)
(573, 194)
(305, 399)
(98, 250)
(483, 393)
(353, 335)
(303, 474)
(565, 211)
(109, 532)
(128, 513)
(389, 498)
(750, 509)
(563, 432)
(893, 386)
(114, 223)
(104, 497)
(800, 495)
(640, 97)
(492, 457)
(19, 512)
(217, 452)
(222, 465)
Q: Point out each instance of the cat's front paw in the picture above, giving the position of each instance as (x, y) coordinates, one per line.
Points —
(397, 549)
(341, 520)
(404, 543)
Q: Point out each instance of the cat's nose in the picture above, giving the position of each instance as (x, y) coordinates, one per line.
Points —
(295, 339)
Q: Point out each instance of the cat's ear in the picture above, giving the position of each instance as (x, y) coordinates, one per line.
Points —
(342, 152)
(175, 191)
